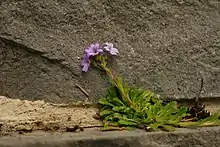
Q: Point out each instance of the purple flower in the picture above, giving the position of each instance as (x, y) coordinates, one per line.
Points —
(93, 50)
(109, 47)
(85, 63)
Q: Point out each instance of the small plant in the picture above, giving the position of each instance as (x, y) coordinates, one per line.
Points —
(127, 107)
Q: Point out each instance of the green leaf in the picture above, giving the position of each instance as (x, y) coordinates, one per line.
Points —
(167, 111)
(145, 95)
(177, 117)
(134, 94)
(154, 126)
(112, 92)
(119, 109)
(120, 86)
(168, 128)
(117, 101)
(115, 124)
(119, 81)
(104, 101)
(106, 112)
(109, 117)
(126, 122)
(212, 120)
(117, 115)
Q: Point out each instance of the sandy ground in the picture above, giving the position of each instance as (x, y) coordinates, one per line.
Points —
(26, 116)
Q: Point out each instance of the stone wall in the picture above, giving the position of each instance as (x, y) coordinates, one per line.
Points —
(165, 46)
(203, 137)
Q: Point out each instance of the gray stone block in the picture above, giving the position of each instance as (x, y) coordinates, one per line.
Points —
(205, 137)
(165, 46)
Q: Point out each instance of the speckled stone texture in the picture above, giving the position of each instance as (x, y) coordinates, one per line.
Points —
(206, 137)
(165, 46)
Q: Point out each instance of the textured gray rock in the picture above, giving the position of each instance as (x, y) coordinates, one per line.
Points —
(165, 46)
(206, 137)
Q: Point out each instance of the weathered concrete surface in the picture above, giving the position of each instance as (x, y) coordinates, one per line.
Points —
(206, 137)
(165, 46)
(28, 116)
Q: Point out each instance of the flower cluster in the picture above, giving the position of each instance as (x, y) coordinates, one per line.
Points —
(94, 50)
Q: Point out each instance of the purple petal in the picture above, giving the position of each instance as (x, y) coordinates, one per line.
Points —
(96, 45)
(85, 67)
(89, 50)
(91, 54)
(109, 48)
(100, 51)
(93, 50)
(85, 58)
(114, 51)
(85, 62)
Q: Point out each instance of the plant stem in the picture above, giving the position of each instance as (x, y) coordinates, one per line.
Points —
(113, 78)
(102, 65)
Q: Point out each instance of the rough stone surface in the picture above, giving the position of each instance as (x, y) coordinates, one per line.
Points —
(165, 46)
(28, 116)
(206, 137)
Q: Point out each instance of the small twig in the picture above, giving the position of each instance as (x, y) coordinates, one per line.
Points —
(95, 126)
(83, 90)
(78, 104)
(187, 120)
(113, 129)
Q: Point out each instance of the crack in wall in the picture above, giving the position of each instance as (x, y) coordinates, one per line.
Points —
(58, 62)
(28, 73)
